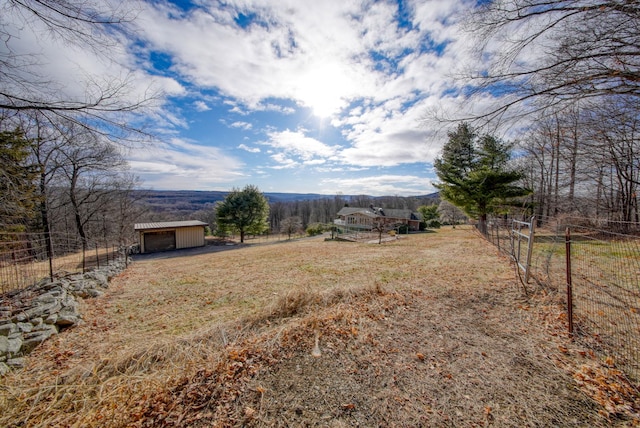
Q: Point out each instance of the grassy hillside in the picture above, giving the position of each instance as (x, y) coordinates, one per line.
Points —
(427, 330)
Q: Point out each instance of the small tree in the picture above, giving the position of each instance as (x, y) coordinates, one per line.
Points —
(450, 214)
(474, 173)
(430, 215)
(382, 225)
(17, 182)
(243, 210)
(291, 225)
(316, 229)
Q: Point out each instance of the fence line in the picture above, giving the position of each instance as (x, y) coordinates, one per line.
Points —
(602, 269)
(26, 259)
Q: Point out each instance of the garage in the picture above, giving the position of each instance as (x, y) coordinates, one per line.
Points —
(160, 241)
(172, 235)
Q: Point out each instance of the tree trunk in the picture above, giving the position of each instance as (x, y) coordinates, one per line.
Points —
(73, 197)
(482, 224)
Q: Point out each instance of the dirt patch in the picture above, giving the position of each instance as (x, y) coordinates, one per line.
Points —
(410, 359)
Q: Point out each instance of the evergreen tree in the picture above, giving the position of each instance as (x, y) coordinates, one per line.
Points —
(245, 211)
(17, 183)
(474, 173)
(430, 216)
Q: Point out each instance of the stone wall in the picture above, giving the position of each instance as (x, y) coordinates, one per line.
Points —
(30, 316)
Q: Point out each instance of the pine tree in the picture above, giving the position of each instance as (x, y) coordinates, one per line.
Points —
(245, 211)
(17, 183)
(474, 173)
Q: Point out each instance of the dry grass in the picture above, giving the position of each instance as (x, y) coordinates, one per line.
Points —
(428, 330)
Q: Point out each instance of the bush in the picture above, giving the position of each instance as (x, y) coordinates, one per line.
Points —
(315, 229)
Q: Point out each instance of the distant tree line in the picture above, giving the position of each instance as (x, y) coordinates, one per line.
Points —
(585, 162)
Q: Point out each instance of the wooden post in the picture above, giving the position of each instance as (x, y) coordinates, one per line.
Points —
(530, 248)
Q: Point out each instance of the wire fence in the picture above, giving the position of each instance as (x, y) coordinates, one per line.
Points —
(27, 258)
(597, 273)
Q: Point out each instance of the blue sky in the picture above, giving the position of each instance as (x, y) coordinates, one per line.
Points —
(297, 96)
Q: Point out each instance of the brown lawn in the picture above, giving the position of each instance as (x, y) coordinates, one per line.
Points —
(427, 330)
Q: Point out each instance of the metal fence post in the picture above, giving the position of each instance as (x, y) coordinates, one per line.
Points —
(97, 257)
(569, 281)
(49, 245)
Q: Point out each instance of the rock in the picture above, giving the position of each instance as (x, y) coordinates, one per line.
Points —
(51, 319)
(54, 288)
(45, 298)
(100, 278)
(19, 317)
(7, 328)
(67, 320)
(5, 312)
(33, 339)
(93, 293)
(14, 346)
(16, 363)
(4, 369)
(25, 327)
(10, 346)
(79, 285)
(44, 283)
(68, 303)
(40, 310)
(37, 321)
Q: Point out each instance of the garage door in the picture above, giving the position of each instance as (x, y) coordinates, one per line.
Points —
(159, 241)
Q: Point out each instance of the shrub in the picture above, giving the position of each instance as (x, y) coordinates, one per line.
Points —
(315, 229)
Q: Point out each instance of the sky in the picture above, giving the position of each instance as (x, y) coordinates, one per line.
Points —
(329, 97)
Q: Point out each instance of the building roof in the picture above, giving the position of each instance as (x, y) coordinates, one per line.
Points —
(386, 212)
(168, 225)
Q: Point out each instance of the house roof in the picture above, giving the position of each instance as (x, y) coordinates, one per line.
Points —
(168, 225)
(386, 212)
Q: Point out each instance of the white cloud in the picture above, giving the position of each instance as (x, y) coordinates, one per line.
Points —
(242, 125)
(201, 106)
(296, 143)
(249, 149)
(179, 164)
(408, 185)
(283, 161)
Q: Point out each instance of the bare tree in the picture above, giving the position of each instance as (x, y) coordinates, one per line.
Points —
(107, 102)
(125, 208)
(584, 161)
(614, 142)
(90, 166)
(382, 225)
(450, 214)
(544, 53)
(291, 225)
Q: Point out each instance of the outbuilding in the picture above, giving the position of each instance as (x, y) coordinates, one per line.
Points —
(170, 235)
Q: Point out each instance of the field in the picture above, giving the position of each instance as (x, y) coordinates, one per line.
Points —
(427, 330)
